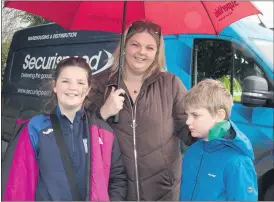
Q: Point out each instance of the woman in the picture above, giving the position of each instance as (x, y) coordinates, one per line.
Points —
(69, 154)
(151, 114)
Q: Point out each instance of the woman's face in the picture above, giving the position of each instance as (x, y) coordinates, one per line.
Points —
(71, 87)
(140, 52)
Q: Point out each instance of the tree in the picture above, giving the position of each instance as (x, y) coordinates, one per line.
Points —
(4, 54)
(12, 21)
(33, 20)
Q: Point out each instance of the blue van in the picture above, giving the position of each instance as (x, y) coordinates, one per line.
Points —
(241, 50)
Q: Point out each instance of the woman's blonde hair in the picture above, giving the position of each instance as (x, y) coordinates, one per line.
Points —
(159, 61)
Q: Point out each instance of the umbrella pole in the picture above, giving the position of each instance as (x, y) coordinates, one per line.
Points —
(121, 55)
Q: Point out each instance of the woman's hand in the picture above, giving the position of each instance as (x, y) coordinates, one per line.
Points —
(113, 104)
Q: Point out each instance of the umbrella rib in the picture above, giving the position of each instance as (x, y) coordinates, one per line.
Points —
(75, 13)
(5, 3)
(144, 10)
(216, 33)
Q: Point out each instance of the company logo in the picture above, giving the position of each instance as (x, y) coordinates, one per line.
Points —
(220, 10)
(50, 62)
(211, 175)
(106, 66)
(250, 190)
(48, 131)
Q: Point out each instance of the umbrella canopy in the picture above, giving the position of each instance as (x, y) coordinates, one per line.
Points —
(176, 17)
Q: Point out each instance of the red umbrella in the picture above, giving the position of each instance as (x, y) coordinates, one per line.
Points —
(176, 17)
(203, 17)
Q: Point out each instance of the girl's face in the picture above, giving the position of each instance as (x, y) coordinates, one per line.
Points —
(71, 87)
(140, 52)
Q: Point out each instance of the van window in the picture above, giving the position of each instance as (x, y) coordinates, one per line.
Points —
(215, 58)
(266, 47)
(244, 65)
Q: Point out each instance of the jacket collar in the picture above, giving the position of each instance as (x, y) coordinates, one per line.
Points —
(79, 114)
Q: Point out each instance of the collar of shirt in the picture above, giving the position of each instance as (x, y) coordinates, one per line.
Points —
(78, 116)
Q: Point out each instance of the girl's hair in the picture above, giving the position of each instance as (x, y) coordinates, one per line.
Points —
(138, 27)
(71, 61)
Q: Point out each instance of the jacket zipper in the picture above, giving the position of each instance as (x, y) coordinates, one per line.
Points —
(72, 141)
(197, 176)
(133, 125)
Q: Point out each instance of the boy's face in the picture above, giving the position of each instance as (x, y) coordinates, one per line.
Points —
(199, 121)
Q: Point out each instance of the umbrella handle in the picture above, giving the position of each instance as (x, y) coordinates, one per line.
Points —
(116, 118)
(121, 56)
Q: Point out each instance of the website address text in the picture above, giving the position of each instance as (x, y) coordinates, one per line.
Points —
(34, 92)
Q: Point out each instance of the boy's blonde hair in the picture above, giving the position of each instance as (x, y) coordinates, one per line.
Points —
(211, 95)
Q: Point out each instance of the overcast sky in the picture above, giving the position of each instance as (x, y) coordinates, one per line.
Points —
(266, 7)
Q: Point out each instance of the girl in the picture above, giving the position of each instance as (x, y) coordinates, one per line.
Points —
(69, 154)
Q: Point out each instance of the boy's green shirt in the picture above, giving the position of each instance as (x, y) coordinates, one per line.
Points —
(219, 130)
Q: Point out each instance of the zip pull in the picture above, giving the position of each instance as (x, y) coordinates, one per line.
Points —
(133, 125)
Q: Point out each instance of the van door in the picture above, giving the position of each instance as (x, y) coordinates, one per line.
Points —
(178, 60)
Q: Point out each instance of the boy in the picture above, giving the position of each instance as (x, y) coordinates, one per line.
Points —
(219, 166)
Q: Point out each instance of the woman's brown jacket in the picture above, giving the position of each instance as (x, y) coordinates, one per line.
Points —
(148, 133)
